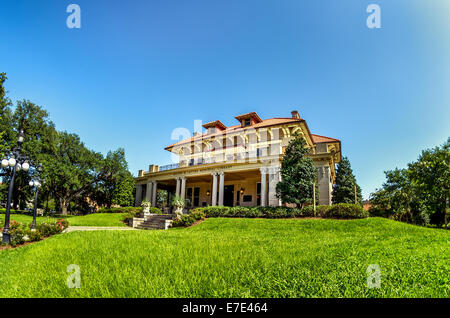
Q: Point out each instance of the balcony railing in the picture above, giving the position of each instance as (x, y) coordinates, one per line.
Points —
(169, 167)
(227, 158)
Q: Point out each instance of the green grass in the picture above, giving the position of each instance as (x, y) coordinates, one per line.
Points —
(96, 219)
(236, 258)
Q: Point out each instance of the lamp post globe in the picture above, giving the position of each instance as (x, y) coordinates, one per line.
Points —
(25, 166)
(12, 162)
(21, 137)
(5, 163)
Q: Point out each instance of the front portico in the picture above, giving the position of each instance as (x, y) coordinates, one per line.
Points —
(229, 185)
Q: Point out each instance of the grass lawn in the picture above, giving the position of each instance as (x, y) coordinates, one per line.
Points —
(237, 258)
(96, 219)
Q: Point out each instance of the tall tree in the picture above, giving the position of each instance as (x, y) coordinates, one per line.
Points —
(431, 174)
(298, 174)
(114, 188)
(344, 188)
(5, 116)
(123, 193)
(71, 169)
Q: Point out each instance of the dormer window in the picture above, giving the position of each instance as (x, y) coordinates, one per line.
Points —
(249, 119)
(214, 127)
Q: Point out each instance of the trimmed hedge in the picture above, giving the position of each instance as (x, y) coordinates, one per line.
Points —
(347, 211)
(270, 212)
(339, 211)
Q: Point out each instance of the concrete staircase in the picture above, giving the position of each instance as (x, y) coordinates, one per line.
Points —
(153, 222)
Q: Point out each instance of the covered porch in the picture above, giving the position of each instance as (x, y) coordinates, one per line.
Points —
(249, 187)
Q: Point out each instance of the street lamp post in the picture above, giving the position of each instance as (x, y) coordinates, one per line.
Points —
(17, 162)
(36, 184)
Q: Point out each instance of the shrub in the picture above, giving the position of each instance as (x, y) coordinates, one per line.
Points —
(21, 233)
(322, 210)
(216, 211)
(347, 211)
(49, 229)
(185, 220)
(308, 211)
(155, 210)
(18, 236)
(197, 214)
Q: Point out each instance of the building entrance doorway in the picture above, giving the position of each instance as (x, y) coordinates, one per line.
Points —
(228, 197)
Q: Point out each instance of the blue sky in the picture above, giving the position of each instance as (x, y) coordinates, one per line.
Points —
(138, 69)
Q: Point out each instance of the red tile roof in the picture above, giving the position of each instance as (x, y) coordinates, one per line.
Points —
(263, 123)
(321, 139)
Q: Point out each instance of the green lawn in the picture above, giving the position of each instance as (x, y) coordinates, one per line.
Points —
(237, 258)
(96, 219)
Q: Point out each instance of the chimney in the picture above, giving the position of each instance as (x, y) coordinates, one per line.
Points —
(295, 114)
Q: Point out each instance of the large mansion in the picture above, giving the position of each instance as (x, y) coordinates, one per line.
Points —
(238, 165)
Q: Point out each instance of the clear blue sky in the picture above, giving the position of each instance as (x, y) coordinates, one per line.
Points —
(138, 69)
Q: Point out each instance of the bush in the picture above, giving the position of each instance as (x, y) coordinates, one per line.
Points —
(185, 220)
(155, 210)
(308, 211)
(21, 233)
(322, 210)
(347, 211)
(197, 214)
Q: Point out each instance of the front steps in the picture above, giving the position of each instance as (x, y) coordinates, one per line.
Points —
(153, 222)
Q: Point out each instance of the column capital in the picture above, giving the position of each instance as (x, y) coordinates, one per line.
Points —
(221, 173)
(214, 174)
(273, 169)
(183, 178)
(263, 170)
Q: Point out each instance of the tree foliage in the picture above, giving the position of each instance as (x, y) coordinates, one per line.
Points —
(418, 194)
(298, 174)
(344, 188)
(71, 171)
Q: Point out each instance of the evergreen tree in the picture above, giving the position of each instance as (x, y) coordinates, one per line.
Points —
(344, 189)
(123, 193)
(298, 174)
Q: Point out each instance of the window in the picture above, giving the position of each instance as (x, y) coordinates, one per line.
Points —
(246, 122)
(196, 196)
(247, 198)
(258, 194)
(189, 196)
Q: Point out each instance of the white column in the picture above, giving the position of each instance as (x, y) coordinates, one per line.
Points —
(148, 192)
(154, 187)
(221, 186)
(263, 186)
(183, 187)
(214, 189)
(325, 185)
(177, 191)
(274, 178)
(138, 198)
